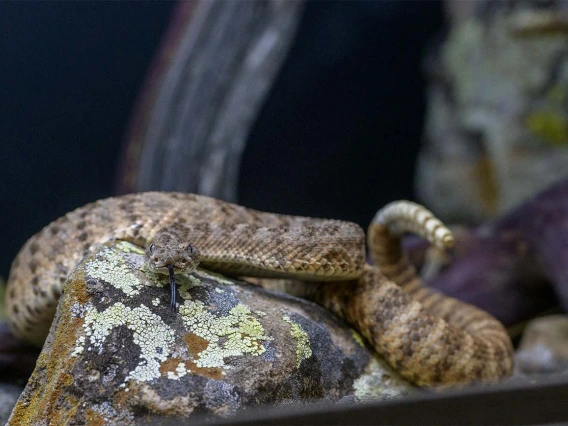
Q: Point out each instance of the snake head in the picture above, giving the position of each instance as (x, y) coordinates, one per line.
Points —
(167, 251)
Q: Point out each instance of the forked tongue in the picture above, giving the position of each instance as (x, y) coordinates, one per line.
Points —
(172, 287)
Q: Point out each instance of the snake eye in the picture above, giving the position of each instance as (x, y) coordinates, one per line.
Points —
(190, 249)
(151, 248)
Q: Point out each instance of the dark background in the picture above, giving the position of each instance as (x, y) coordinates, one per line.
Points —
(337, 137)
(339, 133)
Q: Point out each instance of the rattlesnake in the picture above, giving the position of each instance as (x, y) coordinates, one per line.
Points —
(429, 338)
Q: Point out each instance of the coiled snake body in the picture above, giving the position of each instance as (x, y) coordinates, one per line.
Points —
(429, 338)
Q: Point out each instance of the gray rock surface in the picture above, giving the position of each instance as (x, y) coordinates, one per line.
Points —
(117, 353)
(544, 346)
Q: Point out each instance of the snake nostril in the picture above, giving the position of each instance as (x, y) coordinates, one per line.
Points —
(155, 259)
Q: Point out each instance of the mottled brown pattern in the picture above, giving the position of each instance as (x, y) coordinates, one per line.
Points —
(442, 342)
(425, 348)
(169, 249)
(476, 345)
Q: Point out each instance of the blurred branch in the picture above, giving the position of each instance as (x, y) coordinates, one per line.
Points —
(191, 126)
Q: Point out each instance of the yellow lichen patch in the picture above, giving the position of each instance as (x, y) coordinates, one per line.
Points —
(550, 126)
(52, 374)
(81, 295)
(154, 279)
(111, 268)
(151, 334)
(242, 333)
(127, 247)
(121, 396)
(358, 338)
(484, 173)
(303, 349)
(67, 379)
(93, 418)
(185, 283)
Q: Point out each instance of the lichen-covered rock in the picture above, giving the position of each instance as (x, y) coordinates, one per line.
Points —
(117, 353)
(497, 125)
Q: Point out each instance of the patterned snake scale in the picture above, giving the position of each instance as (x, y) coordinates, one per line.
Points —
(430, 339)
